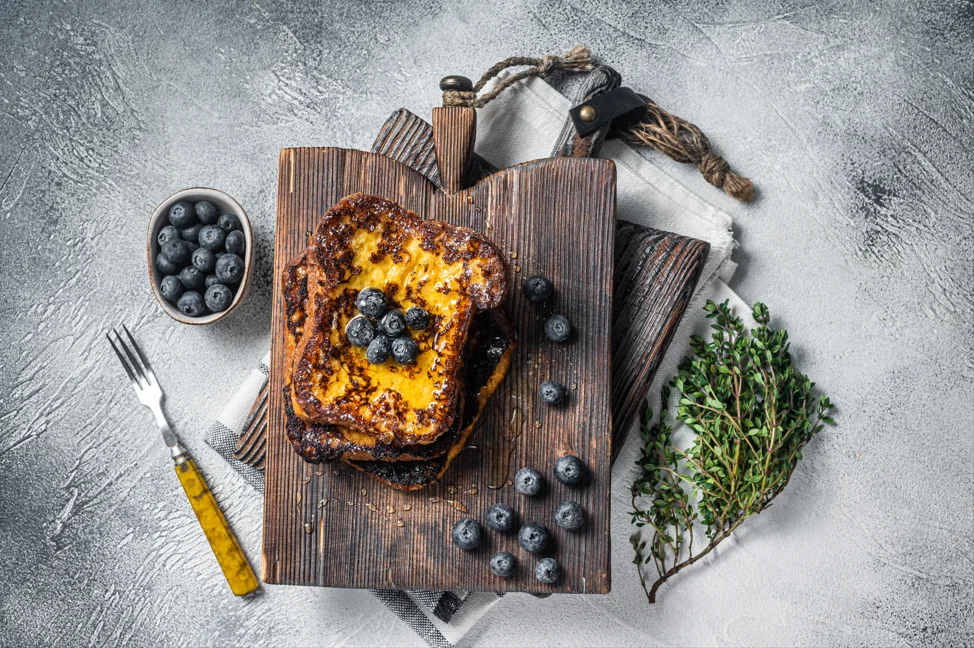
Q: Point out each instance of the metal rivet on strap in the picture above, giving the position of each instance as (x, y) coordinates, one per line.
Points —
(587, 113)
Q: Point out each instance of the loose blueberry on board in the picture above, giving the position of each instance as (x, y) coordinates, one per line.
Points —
(547, 570)
(378, 350)
(176, 252)
(191, 233)
(372, 302)
(360, 331)
(211, 280)
(182, 215)
(502, 563)
(228, 222)
(405, 350)
(569, 470)
(393, 324)
(192, 278)
(229, 268)
(570, 516)
(466, 534)
(417, 318)
(191, 303)
(533, 537)
(171, 288)
(500, 517)
(204, 260)
(552, 392)
(166, 266)
(168, 233)
(205, 212)
(235, 243)
(218, 298)
(528, 482)
(212, 237)
(538, 289)
(558, 328)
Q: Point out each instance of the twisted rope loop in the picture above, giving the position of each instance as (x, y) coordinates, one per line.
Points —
(685, 142)
(677, 138)
(576, 59)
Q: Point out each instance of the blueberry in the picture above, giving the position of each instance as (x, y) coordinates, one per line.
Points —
(466, 534)
(218, 298)
(228, 222)
(206, 212)
(570, 516)
(379, 349)
(204, 260)
(229, 268)
(548, 571)
(211, 280)
(372, 302)
(393, 324)
(417, 318)
(182, 215)
(235, 243)
(166, 266)
(192, 233)
(191, 303)
(558, 328)
(192, 278)
(538, 289)
(527, 481)
(533, 537)
(212, 237)
(502, 563)
(500, 517)
(405, 350)
(176, 252)
(359, 331)
(569, 469)
(171, 288)
(168, 233)
(552, 392)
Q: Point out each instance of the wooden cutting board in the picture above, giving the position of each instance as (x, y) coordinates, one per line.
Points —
(331, 526)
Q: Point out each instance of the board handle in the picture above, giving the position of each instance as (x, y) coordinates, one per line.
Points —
(569, 144)
(229, 554)
(454, 137)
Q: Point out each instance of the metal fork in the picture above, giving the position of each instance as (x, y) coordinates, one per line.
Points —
(228, 552)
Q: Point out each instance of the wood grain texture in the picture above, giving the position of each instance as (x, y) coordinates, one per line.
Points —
(328, 525)
(454, 138)
(655, 272)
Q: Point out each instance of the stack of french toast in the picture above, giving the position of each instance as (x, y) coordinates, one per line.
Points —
(401, 422)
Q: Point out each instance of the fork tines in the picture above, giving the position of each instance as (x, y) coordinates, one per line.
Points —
(138, 370)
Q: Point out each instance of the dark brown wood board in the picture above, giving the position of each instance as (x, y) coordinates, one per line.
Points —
(331, 526)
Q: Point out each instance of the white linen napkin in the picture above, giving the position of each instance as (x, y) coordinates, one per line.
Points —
(522, 124)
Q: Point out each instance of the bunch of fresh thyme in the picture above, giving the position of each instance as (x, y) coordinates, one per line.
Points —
(752, 413)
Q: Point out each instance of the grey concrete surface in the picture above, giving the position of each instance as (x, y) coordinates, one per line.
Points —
(853, 118)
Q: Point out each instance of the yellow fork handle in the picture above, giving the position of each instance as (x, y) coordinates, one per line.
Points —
(231, 557)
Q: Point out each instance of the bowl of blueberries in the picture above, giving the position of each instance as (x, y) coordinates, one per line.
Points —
(200, 248)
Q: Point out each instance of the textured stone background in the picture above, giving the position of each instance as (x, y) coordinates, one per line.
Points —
(854, 119)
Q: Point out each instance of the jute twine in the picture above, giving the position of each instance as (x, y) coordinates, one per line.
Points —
(659, 130)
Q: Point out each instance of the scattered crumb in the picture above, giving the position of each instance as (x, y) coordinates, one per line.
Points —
(307, 527)
(400, 523)
(390, 510)
(407, 507)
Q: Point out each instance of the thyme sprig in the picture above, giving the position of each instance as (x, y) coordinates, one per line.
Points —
(752, 413)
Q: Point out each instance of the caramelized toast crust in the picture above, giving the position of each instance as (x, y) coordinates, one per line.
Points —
(452, 272)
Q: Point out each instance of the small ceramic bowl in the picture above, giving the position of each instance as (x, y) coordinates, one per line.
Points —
(160, 218)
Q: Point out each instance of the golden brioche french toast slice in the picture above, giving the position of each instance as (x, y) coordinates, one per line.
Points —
(451, 272)
(324, 442)
(490, 346)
